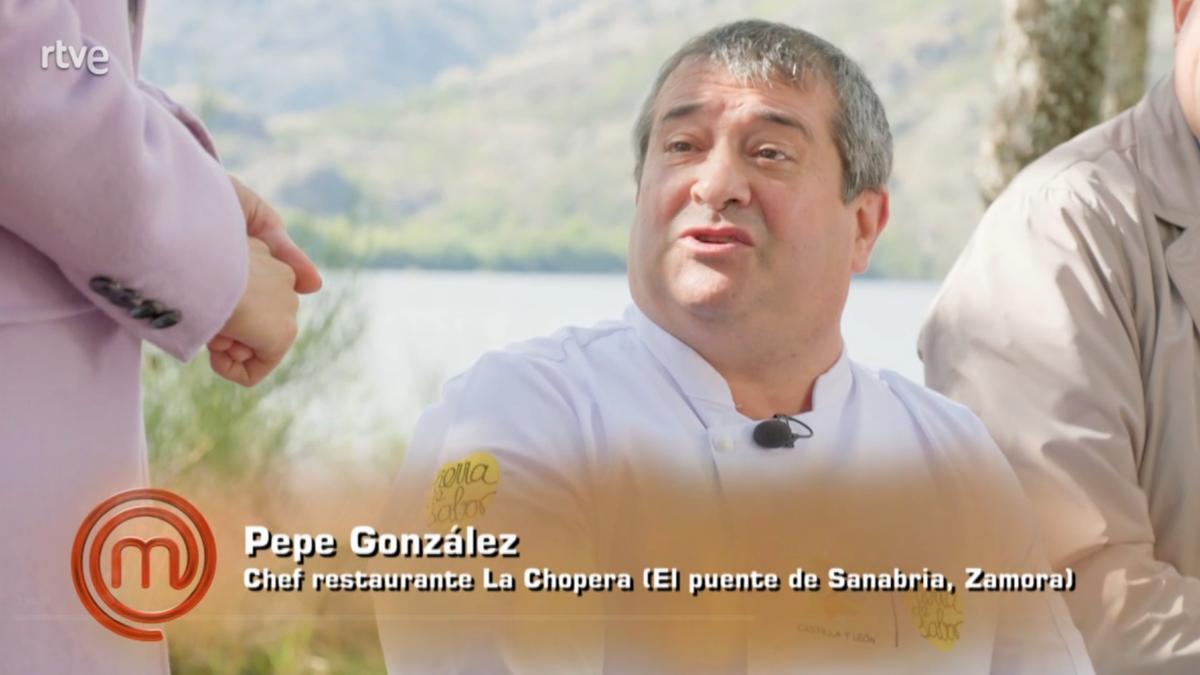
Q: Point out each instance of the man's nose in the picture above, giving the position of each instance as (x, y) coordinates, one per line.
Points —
(721, 180)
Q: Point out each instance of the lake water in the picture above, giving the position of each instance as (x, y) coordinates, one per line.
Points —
(423, 327)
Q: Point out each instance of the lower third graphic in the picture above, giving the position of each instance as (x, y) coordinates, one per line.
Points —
(127, 528)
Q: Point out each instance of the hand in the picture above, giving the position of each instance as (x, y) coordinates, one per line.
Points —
(263, 326)
(263, 222)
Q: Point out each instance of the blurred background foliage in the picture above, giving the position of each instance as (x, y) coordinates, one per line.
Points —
(251, 447)
(308, 647)
(198, 425)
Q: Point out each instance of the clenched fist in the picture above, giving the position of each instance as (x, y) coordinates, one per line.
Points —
(263, 326)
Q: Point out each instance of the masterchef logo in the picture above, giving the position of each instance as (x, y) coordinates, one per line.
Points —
(142, 557)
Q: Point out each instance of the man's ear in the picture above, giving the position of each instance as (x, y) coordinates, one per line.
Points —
(1180, 9)
(871, 216)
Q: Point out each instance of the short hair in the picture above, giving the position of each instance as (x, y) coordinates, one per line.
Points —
(762, 52)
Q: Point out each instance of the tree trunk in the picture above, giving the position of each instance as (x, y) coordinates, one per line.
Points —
(1049, 71)
(1128, 43)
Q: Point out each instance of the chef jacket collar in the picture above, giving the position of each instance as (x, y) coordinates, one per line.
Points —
(699, 380)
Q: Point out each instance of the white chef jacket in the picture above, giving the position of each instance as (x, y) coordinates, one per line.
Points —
(893, 474)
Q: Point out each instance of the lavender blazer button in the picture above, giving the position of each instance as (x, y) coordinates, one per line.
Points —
(148, 309)
(166, 319)
(125, 297)
(102, 285)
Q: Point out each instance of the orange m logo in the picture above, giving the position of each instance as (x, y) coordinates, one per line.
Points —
(178, 578)
(93, 535)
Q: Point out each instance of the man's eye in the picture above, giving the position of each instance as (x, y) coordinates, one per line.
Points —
(772, 154)
(679, 146)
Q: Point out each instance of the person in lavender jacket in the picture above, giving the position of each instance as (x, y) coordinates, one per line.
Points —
(117, 225)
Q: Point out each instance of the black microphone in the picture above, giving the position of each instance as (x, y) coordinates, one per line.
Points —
(777, 432)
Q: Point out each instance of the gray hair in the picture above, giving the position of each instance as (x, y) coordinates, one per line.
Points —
(761, 52)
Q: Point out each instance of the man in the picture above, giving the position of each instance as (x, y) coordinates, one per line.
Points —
(1069, 325)
(116, 226)
(763, 155)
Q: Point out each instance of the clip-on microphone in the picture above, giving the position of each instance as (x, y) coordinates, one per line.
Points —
(777, 432)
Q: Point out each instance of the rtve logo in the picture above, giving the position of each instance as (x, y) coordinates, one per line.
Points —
(130, 527)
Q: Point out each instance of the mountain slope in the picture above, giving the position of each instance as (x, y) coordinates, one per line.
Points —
(439, 134)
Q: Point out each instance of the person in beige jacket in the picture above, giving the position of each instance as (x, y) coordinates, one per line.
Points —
(1069, 324)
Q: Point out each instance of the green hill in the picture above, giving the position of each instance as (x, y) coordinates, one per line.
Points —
(464, 135)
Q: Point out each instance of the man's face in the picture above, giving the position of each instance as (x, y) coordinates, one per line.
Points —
(1187, 61)
(739, 210)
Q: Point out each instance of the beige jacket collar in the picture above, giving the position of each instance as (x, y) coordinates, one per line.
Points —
(1168, 156)
(1169, 161)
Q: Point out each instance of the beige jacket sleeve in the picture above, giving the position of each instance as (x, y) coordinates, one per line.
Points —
(1037, 329)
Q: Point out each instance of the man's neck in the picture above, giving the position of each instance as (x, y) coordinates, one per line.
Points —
(770, 369)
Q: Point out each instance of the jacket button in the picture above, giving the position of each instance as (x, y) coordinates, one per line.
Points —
(166, 319)
(102, 285)
(148, 309)
(125, 297)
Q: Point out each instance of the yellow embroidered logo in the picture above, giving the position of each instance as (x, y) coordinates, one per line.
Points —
(462, 489)
(938, 616)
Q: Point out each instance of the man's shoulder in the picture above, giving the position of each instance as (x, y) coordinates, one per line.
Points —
(1087, 191)
(1097, 162)
(557, 362)
(938, 417)
(959, 441)
(570, 345)
(525, 399)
